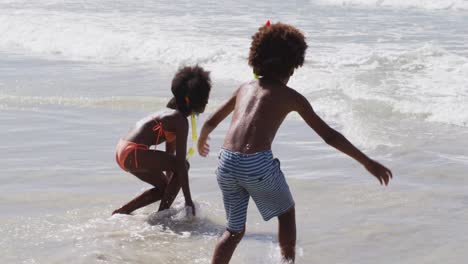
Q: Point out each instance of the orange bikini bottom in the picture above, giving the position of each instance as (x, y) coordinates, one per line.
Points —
(124, 148)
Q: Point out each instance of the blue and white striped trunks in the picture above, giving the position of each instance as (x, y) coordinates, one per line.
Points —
(258, 175)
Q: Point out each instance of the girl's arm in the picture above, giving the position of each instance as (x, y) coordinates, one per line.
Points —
(181, 164)
(337, 140)
(170, 149)
(213, 121)
(181, 172)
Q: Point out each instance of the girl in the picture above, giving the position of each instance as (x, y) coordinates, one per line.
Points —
(191, 88)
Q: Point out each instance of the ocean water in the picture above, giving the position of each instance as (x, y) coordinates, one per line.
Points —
(391, 75)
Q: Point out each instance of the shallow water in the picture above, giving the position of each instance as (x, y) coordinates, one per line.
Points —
(391, 76)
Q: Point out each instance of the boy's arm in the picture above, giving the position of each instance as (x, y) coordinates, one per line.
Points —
(337, 140)
(213, 121)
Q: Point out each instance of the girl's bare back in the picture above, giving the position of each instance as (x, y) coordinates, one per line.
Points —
(143, 131)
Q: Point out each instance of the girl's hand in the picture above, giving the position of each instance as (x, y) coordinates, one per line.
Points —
(379, 171)
(191, 206)
(203, 147)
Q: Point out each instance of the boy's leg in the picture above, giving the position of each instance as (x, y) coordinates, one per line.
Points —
(287, 234)
(226, 246)
(236, 201)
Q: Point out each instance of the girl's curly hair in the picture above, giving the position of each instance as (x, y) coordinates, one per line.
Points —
(277, 50)
(190, 82)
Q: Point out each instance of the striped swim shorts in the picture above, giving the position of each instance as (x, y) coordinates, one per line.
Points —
(241, 176)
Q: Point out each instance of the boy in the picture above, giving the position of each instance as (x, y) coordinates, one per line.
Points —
(246, 166)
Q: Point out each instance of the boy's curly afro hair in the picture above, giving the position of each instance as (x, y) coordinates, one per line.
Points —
(190, 82)
(277, 50)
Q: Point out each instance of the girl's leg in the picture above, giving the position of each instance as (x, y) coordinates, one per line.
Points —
(226, 246)
(147, 197)
(287, 234)
(150, 170)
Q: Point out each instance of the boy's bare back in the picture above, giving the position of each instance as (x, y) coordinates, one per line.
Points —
(260, 106)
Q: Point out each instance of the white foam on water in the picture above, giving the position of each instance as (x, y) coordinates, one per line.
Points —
(95, 237)
(365, 90)
(116, 38)
(117, 103)
(422, 4)
(103, 37)
(428, 81)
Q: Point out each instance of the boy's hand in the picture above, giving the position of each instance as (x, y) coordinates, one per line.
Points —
(379, 171)
(203, 147)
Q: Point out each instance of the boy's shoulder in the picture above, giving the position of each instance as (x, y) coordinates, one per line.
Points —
(244, 87)
(285, 92)
(289, 93)
(247, 84)
(289, 99)
(293, 92)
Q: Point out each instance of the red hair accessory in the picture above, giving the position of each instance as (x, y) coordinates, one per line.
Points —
(268, 23)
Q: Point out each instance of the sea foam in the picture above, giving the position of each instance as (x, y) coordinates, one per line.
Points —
(400, 4)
